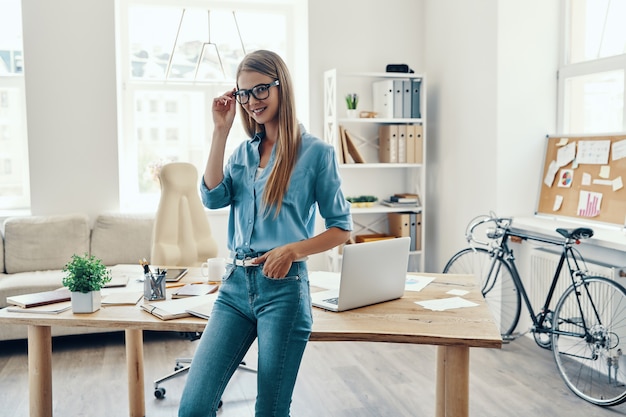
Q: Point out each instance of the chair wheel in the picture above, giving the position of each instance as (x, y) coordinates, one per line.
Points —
(159, 393)
(178, 366)
(219, 405)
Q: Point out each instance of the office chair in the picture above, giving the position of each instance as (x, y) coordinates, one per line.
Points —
(182, 237)
(182, 234)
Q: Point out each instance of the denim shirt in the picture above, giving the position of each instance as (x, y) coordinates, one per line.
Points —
(315, 180)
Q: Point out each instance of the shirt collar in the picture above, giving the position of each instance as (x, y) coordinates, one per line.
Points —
(257, 137)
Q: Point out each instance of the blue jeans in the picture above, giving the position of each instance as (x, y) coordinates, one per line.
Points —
(249, 306)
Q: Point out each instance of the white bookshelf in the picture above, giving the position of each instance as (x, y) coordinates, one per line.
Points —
(373, 177)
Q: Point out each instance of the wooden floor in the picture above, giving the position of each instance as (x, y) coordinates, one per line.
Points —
(336, 380)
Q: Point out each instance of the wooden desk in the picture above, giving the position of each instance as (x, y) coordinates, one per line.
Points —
(402, 321)
(399, 321)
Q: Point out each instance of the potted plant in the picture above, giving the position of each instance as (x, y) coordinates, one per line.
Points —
(352, 101)
(86, 275)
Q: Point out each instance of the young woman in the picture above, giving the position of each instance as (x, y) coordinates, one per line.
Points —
(272, 183)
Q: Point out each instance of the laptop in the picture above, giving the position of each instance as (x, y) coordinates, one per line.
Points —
(371, 273)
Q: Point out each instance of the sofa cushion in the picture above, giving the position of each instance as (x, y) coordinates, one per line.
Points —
(1, 252)
(39, 243)
(122, 238)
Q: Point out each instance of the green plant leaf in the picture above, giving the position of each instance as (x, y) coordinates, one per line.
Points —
(85, 273)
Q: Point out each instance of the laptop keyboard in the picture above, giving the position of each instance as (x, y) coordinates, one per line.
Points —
(332, 300)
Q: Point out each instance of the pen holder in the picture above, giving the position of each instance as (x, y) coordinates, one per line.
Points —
(154, 286)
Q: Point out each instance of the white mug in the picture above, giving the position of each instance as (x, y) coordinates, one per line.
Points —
(213, 269)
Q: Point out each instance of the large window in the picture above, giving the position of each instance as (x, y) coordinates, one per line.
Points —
(593, 67)
(14, 177)
(175, 57)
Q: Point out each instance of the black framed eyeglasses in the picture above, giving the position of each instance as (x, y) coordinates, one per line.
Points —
(260, 92)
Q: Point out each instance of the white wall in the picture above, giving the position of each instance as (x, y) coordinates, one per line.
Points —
(361, 36)
(490, 67)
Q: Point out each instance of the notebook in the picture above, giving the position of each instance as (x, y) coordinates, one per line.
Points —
(371, 273)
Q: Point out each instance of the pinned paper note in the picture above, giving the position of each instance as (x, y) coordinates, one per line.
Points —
(558, 202)
(586, 180)
(593, 152)
(605, 171)
(565, 178)
(618, 184)
(566, 154)
(562, 142)
(619, 150)
(553, 168)
(589, 204)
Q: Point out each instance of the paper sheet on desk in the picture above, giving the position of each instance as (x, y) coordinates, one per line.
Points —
(446, 303)
(417, 282)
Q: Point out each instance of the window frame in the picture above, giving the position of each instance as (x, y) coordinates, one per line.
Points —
(568, 70)
(296, 57)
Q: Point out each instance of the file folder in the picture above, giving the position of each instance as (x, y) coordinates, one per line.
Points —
(388, 143)
(402, 144)
(416, 131)
(410, 145)
(399, 224)
(398, 94)
(407, 95)
(416, 228)
(416, 87)
(382, 95)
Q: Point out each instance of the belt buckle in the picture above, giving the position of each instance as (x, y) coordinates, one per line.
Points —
(247, 261)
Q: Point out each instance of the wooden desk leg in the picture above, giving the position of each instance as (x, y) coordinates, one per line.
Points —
(452, 389)
(40, 370)
(134, 363)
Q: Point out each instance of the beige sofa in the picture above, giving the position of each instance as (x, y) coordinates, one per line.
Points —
(34, 250)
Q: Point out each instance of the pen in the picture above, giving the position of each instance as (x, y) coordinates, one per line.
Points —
(182, 284)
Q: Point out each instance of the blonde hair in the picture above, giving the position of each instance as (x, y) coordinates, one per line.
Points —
(288, 142)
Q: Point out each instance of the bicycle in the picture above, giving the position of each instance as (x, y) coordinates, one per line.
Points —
(586, 331)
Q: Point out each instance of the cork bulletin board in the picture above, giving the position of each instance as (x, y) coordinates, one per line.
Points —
(583, 178)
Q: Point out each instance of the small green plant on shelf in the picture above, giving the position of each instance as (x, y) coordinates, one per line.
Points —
(352, 100)
(362, 201)
(85, 274)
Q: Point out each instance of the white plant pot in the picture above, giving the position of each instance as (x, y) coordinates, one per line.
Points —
(86, 302)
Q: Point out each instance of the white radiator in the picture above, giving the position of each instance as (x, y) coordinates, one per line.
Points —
(543, 264)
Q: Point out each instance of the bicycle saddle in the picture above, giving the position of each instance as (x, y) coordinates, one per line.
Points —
(576, 234)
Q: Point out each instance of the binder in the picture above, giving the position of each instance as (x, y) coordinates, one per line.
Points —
(410, 144)
(402, 144)
(407, 94)
(399, 224)
(382, 94)
(416, 131)
(398, 93)
(388, 143)
(417, 228)
(416, 87)
(413, 231)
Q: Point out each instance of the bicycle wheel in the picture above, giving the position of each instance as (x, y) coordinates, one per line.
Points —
(588, 339)
(496, 283)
